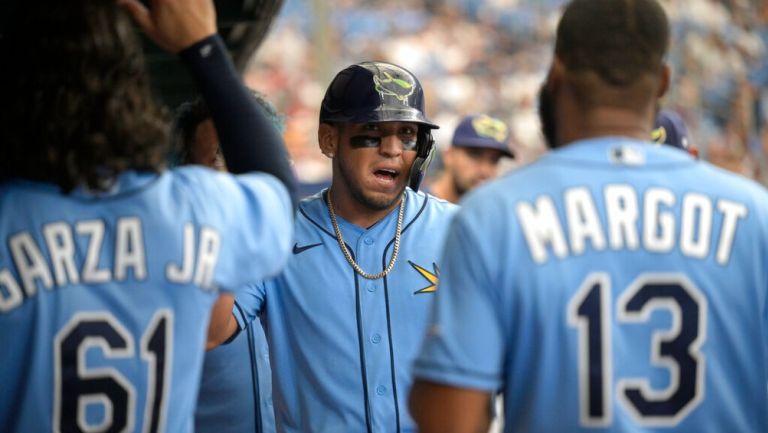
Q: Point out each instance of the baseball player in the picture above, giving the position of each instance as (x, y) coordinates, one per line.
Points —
(478, 144)
(612, 285)
(109, 265)
(194, 136)
(670, 129)
(345, 318)
(227, 402)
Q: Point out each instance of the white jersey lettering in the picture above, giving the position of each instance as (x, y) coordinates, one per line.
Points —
(666, 223)
(541, 227)
(732, 212)
(61, 247)
(583, 222)
(208, 255)
(658, 223)
(30, 263)
(183, 274)
(621, 213)
(94, 229)
(696, 227)
(129, 249)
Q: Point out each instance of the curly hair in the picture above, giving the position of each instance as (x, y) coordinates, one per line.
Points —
(78, 110)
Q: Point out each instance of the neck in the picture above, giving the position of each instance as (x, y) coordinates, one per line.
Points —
(443, 188)
(348, 207)
(604, 122)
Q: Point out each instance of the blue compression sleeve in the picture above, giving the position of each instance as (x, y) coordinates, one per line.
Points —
(247, 138)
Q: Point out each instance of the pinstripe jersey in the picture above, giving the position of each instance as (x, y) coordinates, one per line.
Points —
(611, 286)
(239, 402)
(344, 345)
(104, 301)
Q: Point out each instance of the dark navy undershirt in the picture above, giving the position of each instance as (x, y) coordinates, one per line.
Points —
(247, 137)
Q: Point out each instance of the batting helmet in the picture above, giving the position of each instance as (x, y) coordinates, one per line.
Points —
(670, 129)
(381, 92)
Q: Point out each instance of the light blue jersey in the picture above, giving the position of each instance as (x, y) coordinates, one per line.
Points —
(236, 388)
(342, 346)
(611, 286)
(105, 301)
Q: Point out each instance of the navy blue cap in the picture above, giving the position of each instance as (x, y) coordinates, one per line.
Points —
(670, 129)
(480, 130)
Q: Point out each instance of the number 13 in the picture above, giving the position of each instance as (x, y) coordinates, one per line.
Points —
(676, 349)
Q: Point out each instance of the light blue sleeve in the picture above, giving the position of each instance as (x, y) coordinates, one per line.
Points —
(763, 218)
(258, 222)
(465, 342)
(249, 301)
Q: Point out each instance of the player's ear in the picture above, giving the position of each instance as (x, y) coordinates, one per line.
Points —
(327, 137)
(555, 76)
(448, 156)
(664, 78)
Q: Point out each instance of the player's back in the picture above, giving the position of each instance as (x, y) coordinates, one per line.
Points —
(632, 289)
(104, 302)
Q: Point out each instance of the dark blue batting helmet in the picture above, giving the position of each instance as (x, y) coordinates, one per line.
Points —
(381, 92)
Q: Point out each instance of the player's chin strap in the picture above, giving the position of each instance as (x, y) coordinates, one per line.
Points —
(421, 163)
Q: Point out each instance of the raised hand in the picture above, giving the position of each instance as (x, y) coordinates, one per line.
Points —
(173, 24)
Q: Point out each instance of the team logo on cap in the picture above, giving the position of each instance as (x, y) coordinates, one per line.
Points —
(398, 88)
(659, 135)
(486, 126)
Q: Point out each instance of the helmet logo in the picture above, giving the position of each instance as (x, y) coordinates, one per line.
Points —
(486, 126)
(387, 85)
(659, 135)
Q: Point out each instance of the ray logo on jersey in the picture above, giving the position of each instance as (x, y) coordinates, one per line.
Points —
(431, 277)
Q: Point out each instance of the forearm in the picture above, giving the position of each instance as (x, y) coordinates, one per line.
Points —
(248, 139)
(444, 409)
(223, 324)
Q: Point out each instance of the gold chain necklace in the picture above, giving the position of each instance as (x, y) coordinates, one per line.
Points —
(348, 256)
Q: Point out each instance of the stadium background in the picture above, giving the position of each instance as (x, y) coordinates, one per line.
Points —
(491, 56)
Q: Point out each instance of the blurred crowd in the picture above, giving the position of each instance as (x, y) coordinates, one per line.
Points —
(490, 56)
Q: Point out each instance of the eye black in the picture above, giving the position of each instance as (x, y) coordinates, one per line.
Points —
(361, 141)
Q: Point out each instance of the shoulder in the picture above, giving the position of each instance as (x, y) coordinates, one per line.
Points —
(206, 181)
(725, 185)
(429, 203)
(733, 182)
(314, 206)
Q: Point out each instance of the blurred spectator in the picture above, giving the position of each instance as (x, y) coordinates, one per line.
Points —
(670, 129)
(479, 142)
(489, 56)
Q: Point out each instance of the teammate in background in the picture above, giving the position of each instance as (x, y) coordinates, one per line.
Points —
(346, 317)
(612, 285)
(194, 136)
(669, 128)
(195, 140)
(479, 142)
(109, 265)
(227, 402)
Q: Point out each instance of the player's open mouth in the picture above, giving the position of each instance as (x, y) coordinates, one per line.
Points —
(386, 176)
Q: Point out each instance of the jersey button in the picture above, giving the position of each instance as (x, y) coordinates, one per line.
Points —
(381, 390)
(371, 287)
(375, 338)
(368, 240)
